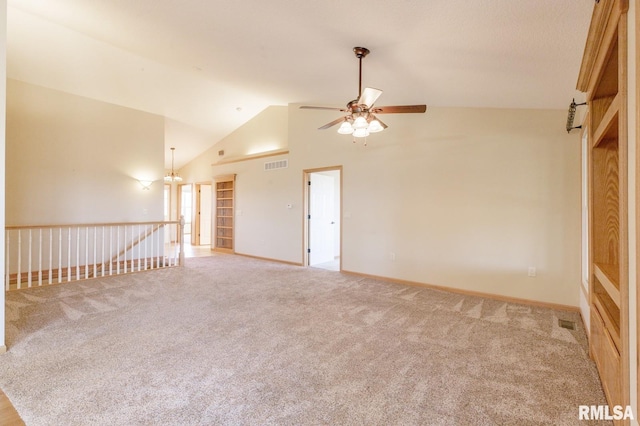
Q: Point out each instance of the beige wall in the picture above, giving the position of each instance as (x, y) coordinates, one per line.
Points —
(3, 93)
(464, 198)
(75, 160)
(265, 132)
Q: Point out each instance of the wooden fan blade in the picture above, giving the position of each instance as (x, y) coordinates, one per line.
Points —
(326, 108)
(369, 96)
(333, 123)
(400, 109)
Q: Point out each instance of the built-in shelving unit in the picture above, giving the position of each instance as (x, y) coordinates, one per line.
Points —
(603, 77)
(224, 222)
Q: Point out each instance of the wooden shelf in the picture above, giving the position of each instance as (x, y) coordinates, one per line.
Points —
(608, 126)
(223, 250)
(224, 226)
(607, 357)
(609, 277)
(611, 319)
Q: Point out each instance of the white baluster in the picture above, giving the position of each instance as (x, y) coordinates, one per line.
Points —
(139, 248)
(102, 264)
(169, 247)
(110, 250)
(146, 233)
(19, 276)
(118, 252)
(29, 261)
(50, 254)
(78, 275)
(160, 250)
(125, 249)
(181, 263)
(171, 255)
(40, 258)
(95, 251)
(86, 252)
(69, 256)
(60, 255)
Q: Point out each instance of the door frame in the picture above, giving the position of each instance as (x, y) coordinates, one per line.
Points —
(179, 192)
(195, 225)
(306, 175)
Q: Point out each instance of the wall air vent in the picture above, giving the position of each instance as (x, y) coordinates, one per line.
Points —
(278, 164)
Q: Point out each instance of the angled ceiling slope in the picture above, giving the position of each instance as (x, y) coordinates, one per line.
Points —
(211, 66)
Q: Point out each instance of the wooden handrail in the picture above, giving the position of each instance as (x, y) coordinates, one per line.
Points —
(90, 225)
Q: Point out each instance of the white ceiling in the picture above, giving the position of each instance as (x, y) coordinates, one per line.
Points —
(208, 66)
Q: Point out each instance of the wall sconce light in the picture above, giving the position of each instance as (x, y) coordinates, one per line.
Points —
(145, 184)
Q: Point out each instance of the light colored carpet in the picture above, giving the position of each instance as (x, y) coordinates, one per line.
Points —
(233, 340)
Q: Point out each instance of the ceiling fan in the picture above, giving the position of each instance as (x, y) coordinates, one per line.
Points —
(360, 119)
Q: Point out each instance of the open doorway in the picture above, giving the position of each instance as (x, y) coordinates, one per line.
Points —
(202, 224)
(185, 198)
(322, 214)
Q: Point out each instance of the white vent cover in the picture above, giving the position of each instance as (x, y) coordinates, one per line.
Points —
(278, 164)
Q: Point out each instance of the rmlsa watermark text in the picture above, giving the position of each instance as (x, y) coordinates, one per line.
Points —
(602, 412)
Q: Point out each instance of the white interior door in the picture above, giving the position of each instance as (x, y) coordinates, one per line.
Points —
(205, 214)
(321, 221)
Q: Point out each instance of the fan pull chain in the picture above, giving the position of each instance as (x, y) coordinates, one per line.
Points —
(354, 140)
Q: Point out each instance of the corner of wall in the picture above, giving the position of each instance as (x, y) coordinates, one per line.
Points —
(3, 108)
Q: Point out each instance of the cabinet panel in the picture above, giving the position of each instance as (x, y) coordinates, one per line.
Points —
(603, 76)
(606, 203)
(607, 358)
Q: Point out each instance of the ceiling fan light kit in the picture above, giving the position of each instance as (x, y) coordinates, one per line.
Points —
(360, 120)
(375, 126)
(345, 128)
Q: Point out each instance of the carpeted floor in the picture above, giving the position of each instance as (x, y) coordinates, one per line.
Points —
(233, 340)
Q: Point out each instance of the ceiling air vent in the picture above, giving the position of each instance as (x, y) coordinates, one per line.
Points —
(278, 164)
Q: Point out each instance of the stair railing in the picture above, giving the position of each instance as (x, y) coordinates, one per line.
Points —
(53, 254)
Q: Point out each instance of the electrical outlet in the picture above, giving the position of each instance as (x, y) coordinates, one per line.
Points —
(392, 256)
(532, 271)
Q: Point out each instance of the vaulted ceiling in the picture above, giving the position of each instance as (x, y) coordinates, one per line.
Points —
(209, 66)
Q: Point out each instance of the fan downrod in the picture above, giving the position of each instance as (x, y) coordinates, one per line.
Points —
(361, 52)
